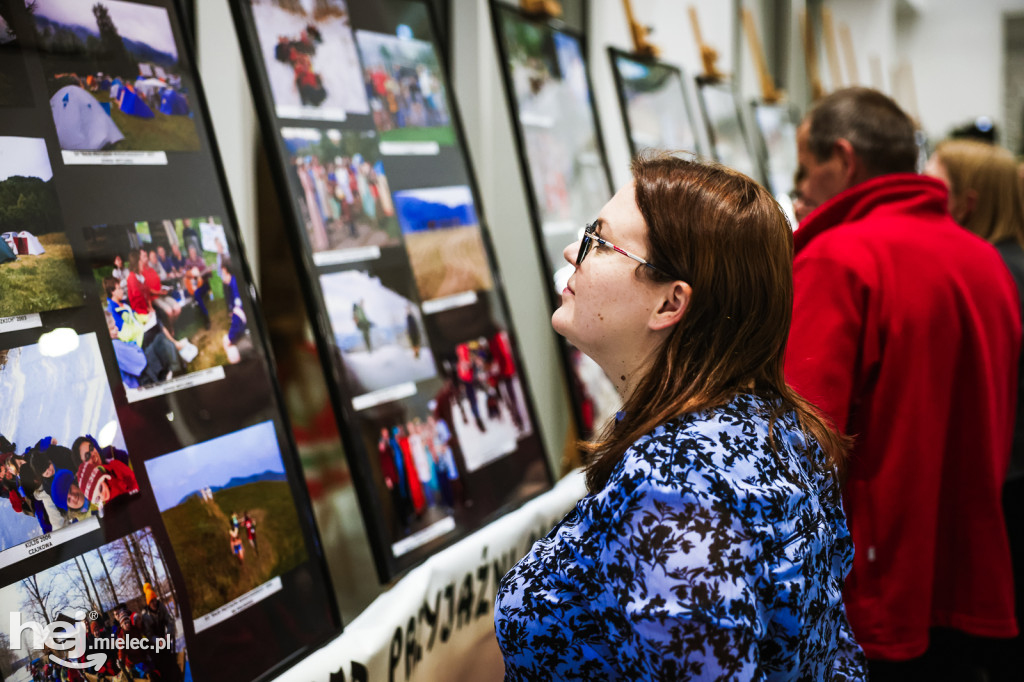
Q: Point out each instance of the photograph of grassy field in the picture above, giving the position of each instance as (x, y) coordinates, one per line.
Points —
(229, 513)
(37, 268)
(443, 240)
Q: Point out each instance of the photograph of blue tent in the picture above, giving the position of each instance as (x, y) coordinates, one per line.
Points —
(82, 123)
(173, 103)
(133, 105)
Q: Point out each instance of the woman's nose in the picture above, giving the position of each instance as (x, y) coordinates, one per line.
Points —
(570, 251)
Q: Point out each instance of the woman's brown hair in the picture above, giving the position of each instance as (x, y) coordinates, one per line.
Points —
(729, 240)
(991, 173)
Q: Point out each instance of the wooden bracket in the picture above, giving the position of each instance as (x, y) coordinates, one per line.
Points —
(829, 34)
(641, 45)
(811, 57)
(769, 94)
(708, 54)
(546, 8)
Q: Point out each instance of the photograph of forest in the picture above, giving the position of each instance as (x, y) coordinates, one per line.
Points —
(122, 588)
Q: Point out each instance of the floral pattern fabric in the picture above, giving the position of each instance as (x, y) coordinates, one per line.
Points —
(707, 556)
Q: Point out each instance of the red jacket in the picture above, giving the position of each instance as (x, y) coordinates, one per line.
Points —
(906, 332)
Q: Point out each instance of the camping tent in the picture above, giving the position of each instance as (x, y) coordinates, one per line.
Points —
(81, 122)
(6, 253)
(149, 87)
(28, 244)
(173, 103)
(115, 88)
(134, 105)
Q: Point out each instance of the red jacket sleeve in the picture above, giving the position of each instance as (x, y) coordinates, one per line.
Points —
(825, 350)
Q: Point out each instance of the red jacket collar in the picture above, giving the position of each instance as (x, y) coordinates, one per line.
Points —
(904, 191)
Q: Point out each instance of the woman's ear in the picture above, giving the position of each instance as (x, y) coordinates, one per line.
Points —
(671, 307)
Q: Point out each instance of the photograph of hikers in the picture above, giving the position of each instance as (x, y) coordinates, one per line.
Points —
(37, 268)
(120, 590)
(310, 58)
(229, 513)
(378, 329)
(62, 452)
(345, 201)
(171, 297)
(114, 76)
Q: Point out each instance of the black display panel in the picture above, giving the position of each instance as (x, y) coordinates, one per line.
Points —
(655, 105)
(396, 265)
(730, 142)
(564, 165)
(130, 335)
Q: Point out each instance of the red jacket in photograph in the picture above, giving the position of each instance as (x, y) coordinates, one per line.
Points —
(906, 332)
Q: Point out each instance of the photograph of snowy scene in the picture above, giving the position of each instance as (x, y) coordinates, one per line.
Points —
(379, 332)
(114, 76)
(310, 57)
(59, 436)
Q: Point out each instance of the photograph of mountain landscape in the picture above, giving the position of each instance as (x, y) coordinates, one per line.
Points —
(114, 76)
(229, 513)
(37, 269)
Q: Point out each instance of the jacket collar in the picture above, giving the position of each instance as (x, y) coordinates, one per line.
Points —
(908, 192)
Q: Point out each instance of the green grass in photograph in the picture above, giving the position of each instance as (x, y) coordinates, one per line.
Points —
(199, 533)
(36, 284)
(443, 135)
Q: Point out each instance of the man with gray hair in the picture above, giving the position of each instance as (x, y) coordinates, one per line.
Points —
(906, 334)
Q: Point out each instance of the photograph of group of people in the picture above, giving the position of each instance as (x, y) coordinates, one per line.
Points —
(557, 122)
(310, 58)
(37, 268)
(62, 452)
(346, 201)
(214, 498)
(483, 398)
(444, 241)
(418, 467)
(113, 76)
(170, 298)
(379, 330)
(655, 104)
(404, 83)
(122, 589)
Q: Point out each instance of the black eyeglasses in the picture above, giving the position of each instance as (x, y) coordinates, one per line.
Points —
(587, 238)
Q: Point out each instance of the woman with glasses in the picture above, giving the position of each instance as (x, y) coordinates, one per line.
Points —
(712, 544)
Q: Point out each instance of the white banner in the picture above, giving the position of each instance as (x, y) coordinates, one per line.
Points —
(437, 623)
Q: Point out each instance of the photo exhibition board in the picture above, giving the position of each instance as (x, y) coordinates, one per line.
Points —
(775, 128)
(426, 379)
(655, 105)
(563, 161)
(147, 470)
(730, 144)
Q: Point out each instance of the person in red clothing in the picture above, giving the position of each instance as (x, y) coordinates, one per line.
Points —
(906, 333)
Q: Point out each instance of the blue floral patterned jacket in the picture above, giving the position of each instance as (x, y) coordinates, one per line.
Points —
(707, 556)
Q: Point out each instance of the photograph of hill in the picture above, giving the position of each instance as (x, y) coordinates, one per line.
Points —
(114, 76)
(230, 515)
(37, 268)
